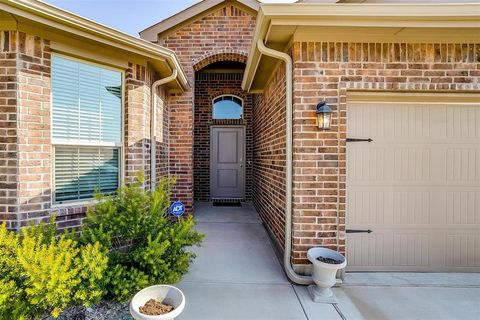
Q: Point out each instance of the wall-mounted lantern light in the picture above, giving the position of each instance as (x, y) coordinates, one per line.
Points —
(324, 116)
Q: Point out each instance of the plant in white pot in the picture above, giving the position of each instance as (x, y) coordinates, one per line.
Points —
(326, 263)
(167, 296)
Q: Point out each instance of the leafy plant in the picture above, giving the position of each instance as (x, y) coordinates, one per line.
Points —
(41, 273)
(145, 247)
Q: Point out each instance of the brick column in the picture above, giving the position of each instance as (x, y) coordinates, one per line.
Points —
(8, 128)
(34, 118)
(137, 123)
(181, 147)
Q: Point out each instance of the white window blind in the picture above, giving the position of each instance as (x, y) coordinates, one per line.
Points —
(80, 171)
(86, 103)
(86, 128)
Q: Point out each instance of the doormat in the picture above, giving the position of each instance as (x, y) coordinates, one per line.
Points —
(227, 203)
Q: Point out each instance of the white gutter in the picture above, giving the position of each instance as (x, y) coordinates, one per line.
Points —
(287, 254)
(153, 120)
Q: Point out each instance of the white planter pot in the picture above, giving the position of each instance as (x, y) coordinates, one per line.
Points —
(163, 293)
(324, 274)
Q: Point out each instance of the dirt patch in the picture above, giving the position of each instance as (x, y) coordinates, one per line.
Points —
(329, 260)
(155, 308)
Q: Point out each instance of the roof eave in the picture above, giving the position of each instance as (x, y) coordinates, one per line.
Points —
(151, 33)
(425, 15)
(47, 14)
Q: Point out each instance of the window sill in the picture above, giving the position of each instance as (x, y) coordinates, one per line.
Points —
(79, 203)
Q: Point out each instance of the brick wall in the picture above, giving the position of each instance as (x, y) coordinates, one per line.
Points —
(207, 87)
(137, 121)
(34, 117)
(327, 71)
(224, 34)
(162, 133)
(8, 128)
(269, 115)
(138, 81)
(25, 143)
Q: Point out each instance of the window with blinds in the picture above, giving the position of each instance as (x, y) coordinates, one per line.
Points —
(86, 129)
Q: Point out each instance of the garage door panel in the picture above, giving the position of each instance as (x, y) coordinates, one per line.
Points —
(411, 250)
(377, 163)
(463, 122)
(462, 207)
(462, 249)
(390, 249)
(377, 207)
(424, 164)
(437, 206)
(404, 122)
(391, 122)
(369, 251)
(411, 207)
(463, 164)
(417, 186)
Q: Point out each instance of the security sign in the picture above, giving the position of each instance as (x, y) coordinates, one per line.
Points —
(177, 209)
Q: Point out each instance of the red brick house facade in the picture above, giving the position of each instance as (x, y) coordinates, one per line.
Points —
(329, 70)
(208, 86)
(365, 66)
(429, 83)
(27, 149)
(410, 83)
(219, 33)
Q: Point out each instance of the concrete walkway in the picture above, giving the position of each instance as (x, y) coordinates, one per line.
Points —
(237, 275)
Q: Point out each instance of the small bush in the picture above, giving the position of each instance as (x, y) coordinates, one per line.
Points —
(41, 273)
(145, 248)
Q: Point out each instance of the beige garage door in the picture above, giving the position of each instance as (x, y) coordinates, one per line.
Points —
(416, 186)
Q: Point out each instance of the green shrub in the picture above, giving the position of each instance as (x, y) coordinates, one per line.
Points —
(41, 273)
(145, 247)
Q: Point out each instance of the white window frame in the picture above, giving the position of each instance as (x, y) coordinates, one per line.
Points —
(83, 143)
(228, 95)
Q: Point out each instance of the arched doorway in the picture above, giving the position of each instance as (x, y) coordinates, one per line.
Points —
(222, 130)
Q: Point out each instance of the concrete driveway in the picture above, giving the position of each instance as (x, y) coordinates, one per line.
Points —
(237, 276)
(434, 296)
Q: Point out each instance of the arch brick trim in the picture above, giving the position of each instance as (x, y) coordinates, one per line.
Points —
(224, 55)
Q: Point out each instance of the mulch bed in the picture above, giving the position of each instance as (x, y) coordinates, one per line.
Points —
(107, 310)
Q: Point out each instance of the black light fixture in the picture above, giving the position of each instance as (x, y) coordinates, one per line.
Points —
(324, 116)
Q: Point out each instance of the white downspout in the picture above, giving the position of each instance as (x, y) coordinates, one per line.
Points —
(153, 120)
(287, 264)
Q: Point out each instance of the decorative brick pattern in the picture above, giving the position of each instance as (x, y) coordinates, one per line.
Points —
(269, 130)
(327, 71)
(222, 55)
(222, 35)
(207, 87)
(8, 128)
